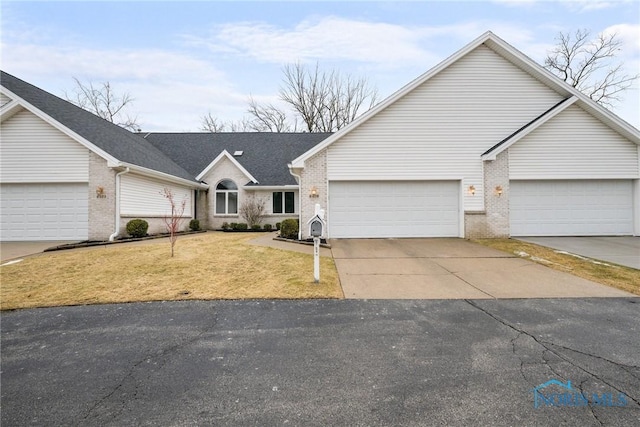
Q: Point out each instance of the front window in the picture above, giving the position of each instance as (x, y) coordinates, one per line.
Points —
(226, 197)
(283, 202)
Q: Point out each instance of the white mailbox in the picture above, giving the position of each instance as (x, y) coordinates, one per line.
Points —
(316, 230)
(316, 226)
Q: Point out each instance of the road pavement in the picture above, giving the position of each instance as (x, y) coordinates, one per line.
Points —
(324, 362)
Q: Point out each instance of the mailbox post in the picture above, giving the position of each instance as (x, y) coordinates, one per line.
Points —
(316, 230)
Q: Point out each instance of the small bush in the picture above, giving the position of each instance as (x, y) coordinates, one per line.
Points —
(225, 226)
(289, 229)
(267, 227)
(234, 225)
(137, 227)
(256, 227)
(241, 226)
(278, 226)
(194, 225)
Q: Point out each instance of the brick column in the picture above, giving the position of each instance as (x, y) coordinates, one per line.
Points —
(102, 198)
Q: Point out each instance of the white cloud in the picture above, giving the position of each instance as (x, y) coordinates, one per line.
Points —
(590, 5)
(629, 35)
(328, 38)
(170, 90)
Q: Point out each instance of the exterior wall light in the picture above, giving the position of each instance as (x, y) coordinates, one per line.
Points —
(100, 193)
(472, 190)
(313, 192)
(498, 191)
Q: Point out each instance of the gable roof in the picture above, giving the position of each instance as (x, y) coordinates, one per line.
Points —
(110, 141)
(265, 155)
(514, 56)
(225, 155)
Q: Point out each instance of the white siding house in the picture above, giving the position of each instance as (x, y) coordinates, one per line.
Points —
(44, 175)
(60, 170)
(491, 128)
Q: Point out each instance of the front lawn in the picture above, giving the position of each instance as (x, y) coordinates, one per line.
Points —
(606, 273)
(206, 266)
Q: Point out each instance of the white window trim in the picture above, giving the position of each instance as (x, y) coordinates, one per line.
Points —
(226, 199)
(284, 212)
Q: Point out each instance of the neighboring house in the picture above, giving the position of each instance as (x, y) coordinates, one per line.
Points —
(238, 166)
(66, 174)
(485, 144)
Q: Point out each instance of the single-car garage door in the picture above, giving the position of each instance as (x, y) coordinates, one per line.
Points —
(362, 209)
(44, 212)
(571, 208)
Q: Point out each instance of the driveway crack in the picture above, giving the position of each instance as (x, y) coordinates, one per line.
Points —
(549, 348)
(129, 376)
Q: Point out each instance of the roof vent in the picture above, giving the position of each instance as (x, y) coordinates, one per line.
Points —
(238, 153)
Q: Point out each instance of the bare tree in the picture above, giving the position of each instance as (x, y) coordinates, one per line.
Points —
(253, 210)
(175, 219)
(212, 124)
(103, 101)
(588, 65)
(325, 101)
(268, 118)
(243, 125)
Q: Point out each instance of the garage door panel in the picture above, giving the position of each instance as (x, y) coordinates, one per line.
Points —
(44, 211)
(394, 209)
(571, 208)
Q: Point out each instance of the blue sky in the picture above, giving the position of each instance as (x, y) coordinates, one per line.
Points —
(181, 60)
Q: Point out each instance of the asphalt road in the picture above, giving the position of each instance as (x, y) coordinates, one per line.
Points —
(348, 362)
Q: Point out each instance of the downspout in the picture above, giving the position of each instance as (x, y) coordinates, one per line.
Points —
(117, 225)
(298, 178)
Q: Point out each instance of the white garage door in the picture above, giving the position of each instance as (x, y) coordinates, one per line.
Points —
(571, 208)
(44, 212)
(394, 209)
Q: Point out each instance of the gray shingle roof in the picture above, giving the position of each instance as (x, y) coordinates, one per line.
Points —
(265, 155)
(125, 146)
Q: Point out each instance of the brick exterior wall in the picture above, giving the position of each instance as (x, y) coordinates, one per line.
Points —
(102, 210)
(314, 174)
(201, 212)
(222, 170)
(494, 221)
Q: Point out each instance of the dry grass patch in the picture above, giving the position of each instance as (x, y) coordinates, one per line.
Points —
(617, 276)
(205, 266)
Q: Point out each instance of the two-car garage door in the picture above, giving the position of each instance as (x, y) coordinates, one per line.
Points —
(44, 212)
(571, 208)
(363, 209)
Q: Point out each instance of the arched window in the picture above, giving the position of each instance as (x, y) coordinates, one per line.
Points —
(226, 197)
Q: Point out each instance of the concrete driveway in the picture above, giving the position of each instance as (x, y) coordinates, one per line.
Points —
(13, 250)
(449, 268)
(622, 250)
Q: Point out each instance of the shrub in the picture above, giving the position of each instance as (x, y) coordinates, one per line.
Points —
(137, 227)
(233, 225)
(241, 226)
(268, 227)
(253, 210)
(256, 227)
(289, 229)
(194, 225)
(278, 226)
(225, 226)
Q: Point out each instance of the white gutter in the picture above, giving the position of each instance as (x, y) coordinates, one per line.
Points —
(298, 179)
(117, 225)
(161, 175)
